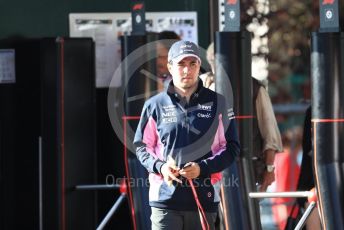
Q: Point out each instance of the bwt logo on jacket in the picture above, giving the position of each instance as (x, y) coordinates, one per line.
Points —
(205, 107)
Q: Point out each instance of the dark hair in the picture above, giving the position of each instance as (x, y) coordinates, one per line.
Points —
(167, 34)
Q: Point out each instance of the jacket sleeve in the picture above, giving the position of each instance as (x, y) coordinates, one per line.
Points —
(145, 141)
(225, 146)
(267, 122)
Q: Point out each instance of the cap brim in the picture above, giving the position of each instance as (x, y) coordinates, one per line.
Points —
(181, 57)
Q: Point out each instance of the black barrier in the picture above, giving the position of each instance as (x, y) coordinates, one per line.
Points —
(329, 16)
(50, 133)
(233, 60)
(138, 18)
(327, 61)
(135, 85)
(232, 15)
(68, 132)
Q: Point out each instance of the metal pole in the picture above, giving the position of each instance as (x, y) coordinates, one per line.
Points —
(138, 195)
(305, 216)
(97, 187)
(40, 183)
(297, 194)
(111, 212)
(327, 61)
(279, 194)
(233, 61)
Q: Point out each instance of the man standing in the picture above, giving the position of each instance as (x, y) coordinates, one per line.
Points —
(185, 137)
(266, 137)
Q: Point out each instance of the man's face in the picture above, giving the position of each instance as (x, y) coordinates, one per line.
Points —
(185, 73)
(162, 52)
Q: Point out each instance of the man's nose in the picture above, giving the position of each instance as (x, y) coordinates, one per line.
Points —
(186, 69)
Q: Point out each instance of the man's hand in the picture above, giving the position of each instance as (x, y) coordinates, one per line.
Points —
(170, 172)
(268, 179)
(191, 170)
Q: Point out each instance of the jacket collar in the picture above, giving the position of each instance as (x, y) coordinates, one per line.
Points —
(172, 92)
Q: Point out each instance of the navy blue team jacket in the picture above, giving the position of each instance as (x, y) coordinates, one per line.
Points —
(202, 131)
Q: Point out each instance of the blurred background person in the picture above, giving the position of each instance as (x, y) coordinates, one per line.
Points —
(208, 78)
(166, 39)
(266, 137)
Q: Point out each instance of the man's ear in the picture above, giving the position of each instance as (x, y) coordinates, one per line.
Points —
(169, 67)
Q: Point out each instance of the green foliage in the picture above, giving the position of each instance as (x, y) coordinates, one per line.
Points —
(290, 23)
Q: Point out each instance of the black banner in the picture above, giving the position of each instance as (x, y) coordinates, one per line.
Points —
(138, 18)
(329, 17)
(232, 15)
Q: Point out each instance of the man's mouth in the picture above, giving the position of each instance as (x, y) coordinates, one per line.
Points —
(186, 78)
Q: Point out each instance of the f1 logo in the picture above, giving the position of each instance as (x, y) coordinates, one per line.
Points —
(233, 2)
(328, 2)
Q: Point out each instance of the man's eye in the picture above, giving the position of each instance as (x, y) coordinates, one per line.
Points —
(194, 64)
